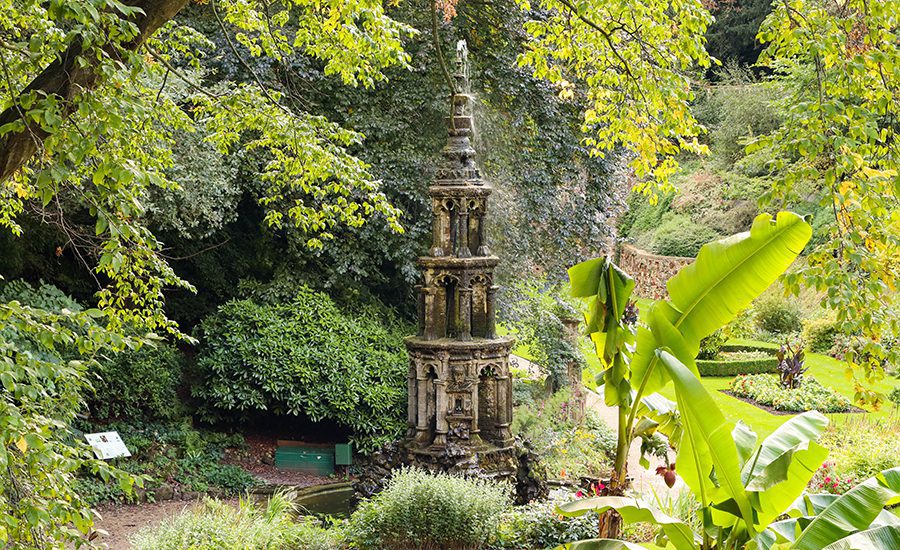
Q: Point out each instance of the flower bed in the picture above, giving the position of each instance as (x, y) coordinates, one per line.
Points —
(765, 389)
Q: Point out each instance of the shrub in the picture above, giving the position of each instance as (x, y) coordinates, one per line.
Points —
(216, 525)
(429, 511)
(778, 315)
(735, 359)
(566, 447)
(306, 357)
(141, 384)
(677, 235)
(712, 345)
(894, 397)
(538, 525)
(819, 334)
(766, 389)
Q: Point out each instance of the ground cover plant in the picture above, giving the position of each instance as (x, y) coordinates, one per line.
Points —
(860, 446)
(176, 454)
(217, 525)
(766, 389)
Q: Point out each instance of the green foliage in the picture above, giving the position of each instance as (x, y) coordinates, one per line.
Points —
(755, 485)
(419, 510)
(862, 446)
(819, 334)
(306, 357)
(894, 397)
(140, 384)
(725, 278)
(712, 345)
(569, 447)
(45, 357)
(767, 390)
(835, 151)
(732, 36)
(778, 315)
(631, 60)
(677, 235)
(537, 525)
(535, 310)
(727, 365)
(215, 525)
(174, 453)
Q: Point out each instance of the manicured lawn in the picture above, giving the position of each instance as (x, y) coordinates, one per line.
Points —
(826, 370)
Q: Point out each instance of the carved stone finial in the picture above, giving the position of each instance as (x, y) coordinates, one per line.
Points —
(462, 67)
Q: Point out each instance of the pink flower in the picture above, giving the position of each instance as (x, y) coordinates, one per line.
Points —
(579, 494)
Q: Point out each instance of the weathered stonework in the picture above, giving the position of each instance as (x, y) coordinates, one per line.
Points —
(650, 271)
(460, 389)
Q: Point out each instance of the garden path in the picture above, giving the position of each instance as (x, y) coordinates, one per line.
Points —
(645, 481)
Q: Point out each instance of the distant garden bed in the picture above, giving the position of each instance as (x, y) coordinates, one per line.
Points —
(735, 359)
(766, 392)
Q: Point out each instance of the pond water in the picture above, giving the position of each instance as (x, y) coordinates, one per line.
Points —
(338, 502)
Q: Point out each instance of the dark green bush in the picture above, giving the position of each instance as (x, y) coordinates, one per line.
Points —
(819, 334)
(679, 236)
(711, 345)
(306, 357)
(141, 384)
(778, 315)
(537, 525)
(419, 510)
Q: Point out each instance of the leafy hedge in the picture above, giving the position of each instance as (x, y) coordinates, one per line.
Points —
(766, 389)
(305, 357)
(725, 367)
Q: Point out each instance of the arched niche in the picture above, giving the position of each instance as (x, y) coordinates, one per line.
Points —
(479, 285)
(446, 315)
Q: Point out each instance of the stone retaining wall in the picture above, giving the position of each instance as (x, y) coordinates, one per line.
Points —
(650, 271)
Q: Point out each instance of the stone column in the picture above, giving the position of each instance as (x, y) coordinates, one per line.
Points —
(411, 401)
(504, 411)
(440, 406)
(428, 298)
(465, 312)
(462, 233)
(437, 228)
(491, 312)
(483, 249)
(422, 409)
(420, 311)
(475, 430)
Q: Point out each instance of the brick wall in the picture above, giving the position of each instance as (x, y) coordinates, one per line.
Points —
(650, 271)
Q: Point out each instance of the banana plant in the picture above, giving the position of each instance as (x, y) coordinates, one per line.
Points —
(722, 466)
(705, 295)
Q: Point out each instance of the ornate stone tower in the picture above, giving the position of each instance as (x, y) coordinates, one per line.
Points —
(460, 390)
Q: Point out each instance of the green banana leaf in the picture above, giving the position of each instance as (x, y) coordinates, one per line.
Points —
(727, 275)
(859, 509)
(602, 544)
(783, 464)
(632, 511)
(886, 536)
(707, 448)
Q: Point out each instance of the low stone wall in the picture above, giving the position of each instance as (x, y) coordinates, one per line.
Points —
(650, 271)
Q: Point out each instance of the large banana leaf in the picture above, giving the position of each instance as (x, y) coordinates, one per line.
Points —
(707, 449)
(859, 509)
(886, 536)
(632, 511)
(602, 544)
(783, 465)
(727, 275)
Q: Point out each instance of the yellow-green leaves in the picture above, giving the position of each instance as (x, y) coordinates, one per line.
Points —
(837, 148)
(630, 60)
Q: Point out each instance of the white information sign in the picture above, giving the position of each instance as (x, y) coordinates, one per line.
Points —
(107, 445)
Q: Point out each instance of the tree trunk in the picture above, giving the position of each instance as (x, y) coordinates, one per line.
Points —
(65, 78)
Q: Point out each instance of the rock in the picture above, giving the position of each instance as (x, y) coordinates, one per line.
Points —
(164, 492)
